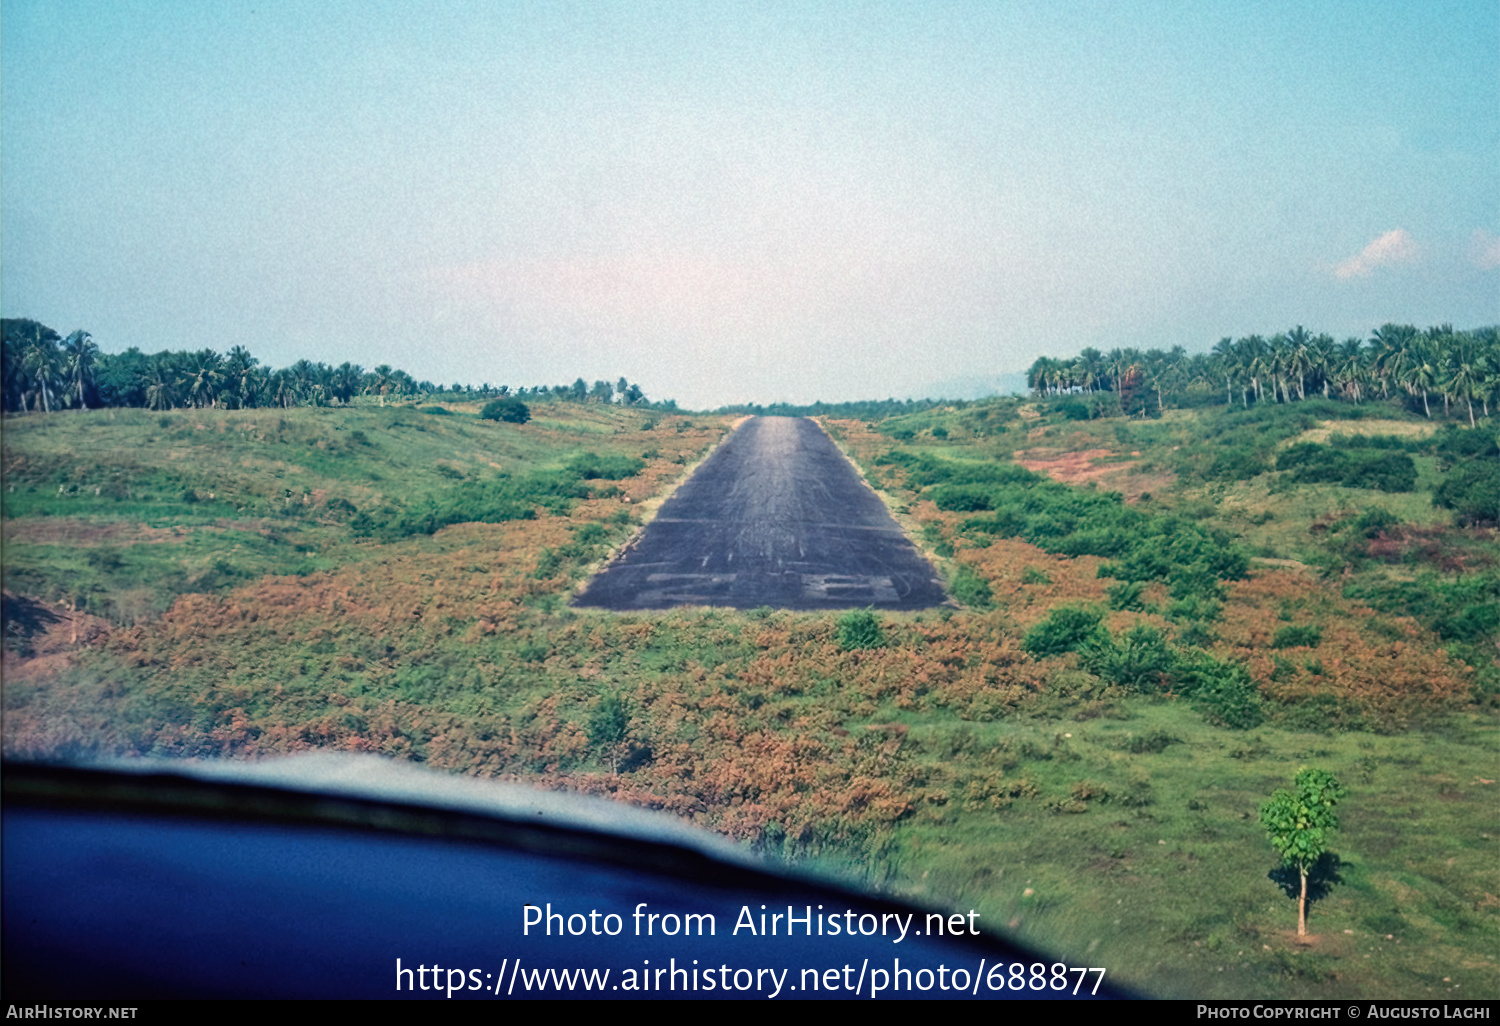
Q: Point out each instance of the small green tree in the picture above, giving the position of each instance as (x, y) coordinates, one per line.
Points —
(971, 589)
(859, 629)
(1298, 823)
(1064, 630)
(508, 409)
(609, 726)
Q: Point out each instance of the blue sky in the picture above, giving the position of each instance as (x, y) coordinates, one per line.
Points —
(730, 202)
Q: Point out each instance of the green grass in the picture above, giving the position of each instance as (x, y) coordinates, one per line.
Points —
(1160, 872)
(271, 492)
(1197, 916)
(107, 580)
(1129, 818)
(1278, 523)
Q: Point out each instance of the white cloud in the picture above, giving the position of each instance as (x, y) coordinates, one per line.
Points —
(1394, 247)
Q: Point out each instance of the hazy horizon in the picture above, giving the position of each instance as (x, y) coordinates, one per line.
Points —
(788, 203)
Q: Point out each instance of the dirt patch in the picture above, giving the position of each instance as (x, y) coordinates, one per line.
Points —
(1450, 550)
(1068, 467)
(84, 533)
(1118, 472)
(88, 533)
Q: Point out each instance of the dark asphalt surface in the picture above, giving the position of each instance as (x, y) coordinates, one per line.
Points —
(775, 517)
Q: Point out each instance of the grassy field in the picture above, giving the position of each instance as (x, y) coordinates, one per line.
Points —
(1154, 862)
(395, 580)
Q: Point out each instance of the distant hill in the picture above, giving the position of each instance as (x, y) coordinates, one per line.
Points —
(973, 386)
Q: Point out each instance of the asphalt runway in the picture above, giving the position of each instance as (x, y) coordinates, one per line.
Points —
(775, 517)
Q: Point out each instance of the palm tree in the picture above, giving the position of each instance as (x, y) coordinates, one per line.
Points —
(1229, 366)
(1393, 354)
(1421, 376)
(1487, 344)
(311, 380)
(1039, 374)
(1298, 361)
(1444, 349)
(1277, 362)
(15, 379)
(1467, 383)
(1257, 357)
(1320, 355)
(240, 377)
(402, 383)
(284, 389)
(162, 392)
(1088, 369)
(346, 381)
(203, 375)
(379, 381)
(79, 355)
(1349, 368)
(41, 361)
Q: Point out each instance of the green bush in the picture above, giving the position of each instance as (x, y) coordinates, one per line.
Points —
(1457, 445)
(963, 498)
(1222, 691)
(1140, 660)
(1068, 521)
(1195, 580)
(1474, 623)
(508, 409)
(1170, 547)
(1383, 470)
(591, 533)
(1472, 491)
(609, 723)
(489, 502)
(1196, 633)
(858, 629)
(1386, 472)
(1373, 522)
(1092, 542)
(1195, 609)
(547, 565)
(971, 589)
(1297, 637)
(1153, 742)
(1339, 440)
(1064, 631)
(1009, 524)
(1236, 465)
(1126, 595)
(590, 465)
(1466, 609)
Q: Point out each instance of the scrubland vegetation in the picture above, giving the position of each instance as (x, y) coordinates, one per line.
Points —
(1138, 654)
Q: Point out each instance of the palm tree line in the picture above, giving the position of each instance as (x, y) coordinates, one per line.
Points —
(44, 372)
(1460, 369)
